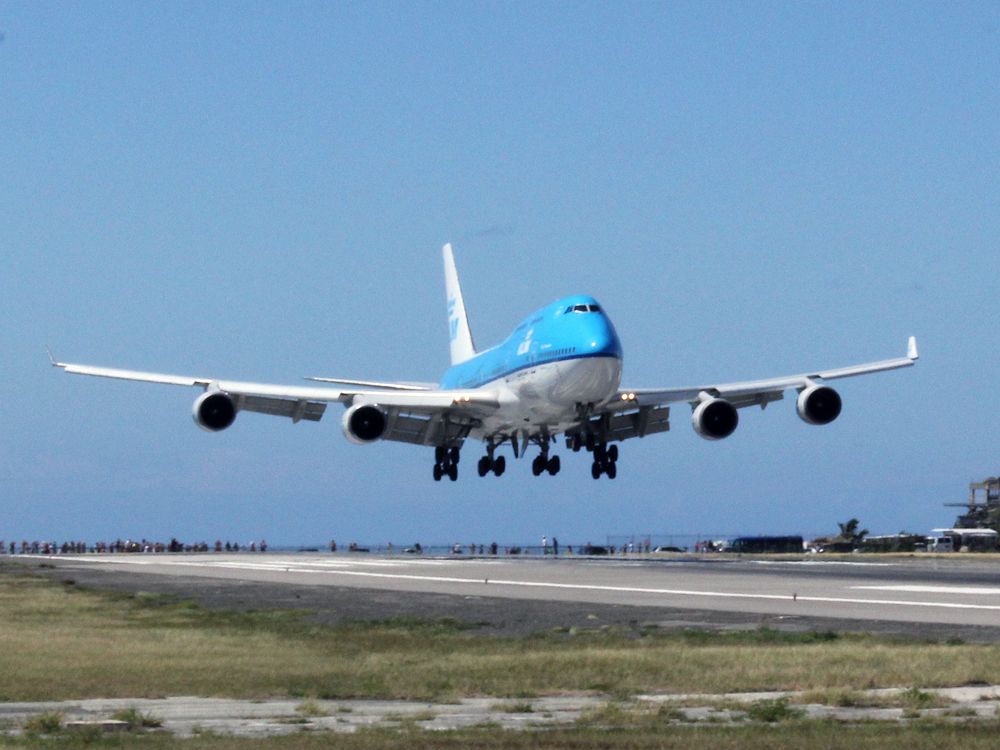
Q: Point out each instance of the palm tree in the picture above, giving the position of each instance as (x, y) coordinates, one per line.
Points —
(849, 531)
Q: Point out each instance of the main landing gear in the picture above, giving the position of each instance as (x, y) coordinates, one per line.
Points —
(605, 458)
(605, 461)
(445, 463)
(543, 463)
(488, 463)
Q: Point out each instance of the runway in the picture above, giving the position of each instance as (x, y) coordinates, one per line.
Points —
(936, 594)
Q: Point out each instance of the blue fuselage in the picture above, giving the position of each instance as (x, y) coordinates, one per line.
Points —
(572, 328)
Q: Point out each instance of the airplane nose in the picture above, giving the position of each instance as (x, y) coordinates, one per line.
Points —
(603, 338)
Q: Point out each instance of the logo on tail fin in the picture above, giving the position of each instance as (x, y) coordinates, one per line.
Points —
(459, 335)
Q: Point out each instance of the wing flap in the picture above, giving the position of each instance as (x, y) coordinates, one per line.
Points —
(438, 428)
(311, 411)
(630, 423)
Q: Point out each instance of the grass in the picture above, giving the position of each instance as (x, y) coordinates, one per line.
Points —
(49, 722)
(136, 719)
(311, 708)
(77, 643)
(926, 735)
(771, 711)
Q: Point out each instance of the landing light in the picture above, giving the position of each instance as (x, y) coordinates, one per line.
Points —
(628, 397)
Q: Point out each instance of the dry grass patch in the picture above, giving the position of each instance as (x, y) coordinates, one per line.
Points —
(77, 643)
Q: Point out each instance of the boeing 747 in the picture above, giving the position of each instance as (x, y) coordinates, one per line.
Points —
(558, 373)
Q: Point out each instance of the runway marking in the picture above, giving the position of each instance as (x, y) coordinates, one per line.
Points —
(916, 589)
(277, 566)
(808, 563)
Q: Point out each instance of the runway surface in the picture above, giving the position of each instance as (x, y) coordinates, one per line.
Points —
(923, 595)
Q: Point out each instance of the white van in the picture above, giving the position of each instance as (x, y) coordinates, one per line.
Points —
(940, 544)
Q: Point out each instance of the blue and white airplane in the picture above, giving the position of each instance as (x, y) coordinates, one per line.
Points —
(558, 373)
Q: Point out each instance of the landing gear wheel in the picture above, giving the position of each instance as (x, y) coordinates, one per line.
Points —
(611, 470)
(613, 453)
(440, 453)
(484, 466)
(499, 464)
(452, 472)
(553, 466)
(437, 472)
(595, 470)
(453, 455)
(538, 465)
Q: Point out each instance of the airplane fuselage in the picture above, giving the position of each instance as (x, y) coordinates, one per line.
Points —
(561, 357)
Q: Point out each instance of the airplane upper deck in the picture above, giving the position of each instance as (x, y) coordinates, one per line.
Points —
(572, 327)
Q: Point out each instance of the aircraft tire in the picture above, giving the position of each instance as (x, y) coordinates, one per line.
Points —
(499, 464)
(595, 470)
(553, 466)
(613, 453)
(484, 466)
(453, 455)
(611, 470)
(437, 472)
(452, 472)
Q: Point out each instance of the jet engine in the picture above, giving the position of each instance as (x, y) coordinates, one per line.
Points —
(818, 404)
(715, 418)
(214, 411)
(364, 423)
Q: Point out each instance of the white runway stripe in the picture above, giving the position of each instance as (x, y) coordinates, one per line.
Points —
(297, 567)
(915, 589)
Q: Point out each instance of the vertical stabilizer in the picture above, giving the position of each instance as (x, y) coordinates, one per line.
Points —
(462, 347)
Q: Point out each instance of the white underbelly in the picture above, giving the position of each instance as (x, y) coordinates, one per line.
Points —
(548, 394)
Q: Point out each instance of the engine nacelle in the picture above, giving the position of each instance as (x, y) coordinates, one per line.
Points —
(364, 423)
(715, 418)
(214, 411)
(818, 404)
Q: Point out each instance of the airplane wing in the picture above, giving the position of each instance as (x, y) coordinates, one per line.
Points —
(413, 413)
(637, 412)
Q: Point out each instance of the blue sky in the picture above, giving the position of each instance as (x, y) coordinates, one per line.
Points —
(260, 191)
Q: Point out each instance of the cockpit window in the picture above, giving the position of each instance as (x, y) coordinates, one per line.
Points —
(595, 308)
(583, 308)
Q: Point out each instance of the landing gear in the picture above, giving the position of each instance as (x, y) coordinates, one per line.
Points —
(605, 460)
(490, 463)
(541, 464)
(446, 463)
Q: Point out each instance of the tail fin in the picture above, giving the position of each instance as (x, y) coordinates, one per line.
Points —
(462, 346)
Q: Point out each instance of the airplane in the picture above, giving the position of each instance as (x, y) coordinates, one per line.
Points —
(558, 373)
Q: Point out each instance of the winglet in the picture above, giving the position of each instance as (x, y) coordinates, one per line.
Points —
(52, 360)
(459, 334)
(911, 349)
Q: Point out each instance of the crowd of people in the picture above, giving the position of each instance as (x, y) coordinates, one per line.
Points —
(125, 545)
(547, 547)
